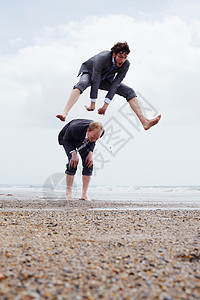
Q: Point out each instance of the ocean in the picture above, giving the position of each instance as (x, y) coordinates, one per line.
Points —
(144, 195)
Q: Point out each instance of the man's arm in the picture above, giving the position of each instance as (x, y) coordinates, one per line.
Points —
(74, 159)
(91, 146)
(68, 140)
(113, 88)
(117, 81)
(102, 63)
(89, 159)
(96, 79)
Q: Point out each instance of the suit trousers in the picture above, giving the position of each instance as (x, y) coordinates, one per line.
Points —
(71, 170)
(123, 90)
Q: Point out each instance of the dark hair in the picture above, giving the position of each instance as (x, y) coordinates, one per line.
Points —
(121, 47)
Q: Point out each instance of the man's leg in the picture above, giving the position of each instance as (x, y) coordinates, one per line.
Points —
(83, 83)
(69, 183)
(70, 173)
(130, 95)
(71, 101)
(138, 111)
(86, 176)
(86, 181)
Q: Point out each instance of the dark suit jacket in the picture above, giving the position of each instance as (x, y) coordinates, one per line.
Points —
(73, 134)
(97, 66)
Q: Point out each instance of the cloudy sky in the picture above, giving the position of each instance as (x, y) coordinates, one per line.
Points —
(43, 44)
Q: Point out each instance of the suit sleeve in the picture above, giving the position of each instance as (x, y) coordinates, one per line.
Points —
(117, 81)
(96, 77)
(91, 146)
(68, 140)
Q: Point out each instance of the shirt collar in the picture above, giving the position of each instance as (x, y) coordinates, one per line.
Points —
(113, 61)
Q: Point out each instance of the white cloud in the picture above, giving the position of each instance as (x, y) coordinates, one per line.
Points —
(165, 57)
(164, 63)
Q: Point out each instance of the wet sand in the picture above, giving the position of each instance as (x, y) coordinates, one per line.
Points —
(98, 250)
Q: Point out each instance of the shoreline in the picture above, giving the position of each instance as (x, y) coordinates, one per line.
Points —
(19, 202)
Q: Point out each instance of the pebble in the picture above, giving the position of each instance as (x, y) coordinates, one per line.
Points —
(87, 254)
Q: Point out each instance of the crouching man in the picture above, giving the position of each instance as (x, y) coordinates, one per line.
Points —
(79, 135)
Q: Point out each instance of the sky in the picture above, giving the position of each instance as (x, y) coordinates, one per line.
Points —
(43, 44)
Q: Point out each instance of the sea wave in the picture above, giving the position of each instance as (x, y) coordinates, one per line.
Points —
(108, 192)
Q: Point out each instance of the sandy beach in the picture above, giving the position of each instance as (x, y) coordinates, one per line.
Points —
(97, 250)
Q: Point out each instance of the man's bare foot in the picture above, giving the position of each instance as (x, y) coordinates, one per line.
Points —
(152, 122)
(69, 196)
(85, 197)
(61, 117)
(89, 108)
(101, 111)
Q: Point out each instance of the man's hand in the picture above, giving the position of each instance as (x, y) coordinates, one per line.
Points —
(89, 159)
(102, 110)
(74, 160)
